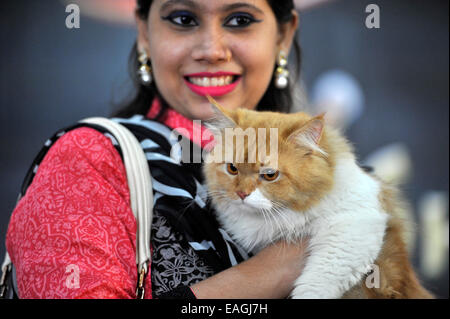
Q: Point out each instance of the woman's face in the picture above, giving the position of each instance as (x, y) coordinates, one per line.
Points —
(224, 48)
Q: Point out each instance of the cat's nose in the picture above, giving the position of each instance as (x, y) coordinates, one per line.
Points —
(242, 195)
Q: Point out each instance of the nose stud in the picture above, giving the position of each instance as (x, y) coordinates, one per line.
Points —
(228, 56)
(242, 195)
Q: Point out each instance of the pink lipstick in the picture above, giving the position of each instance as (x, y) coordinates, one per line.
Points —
(213, 84)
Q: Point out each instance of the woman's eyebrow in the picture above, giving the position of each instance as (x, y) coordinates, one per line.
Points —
(227, 7)
(188, 3)
(241, 5)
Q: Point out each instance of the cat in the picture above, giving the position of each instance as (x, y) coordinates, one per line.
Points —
(312, 187)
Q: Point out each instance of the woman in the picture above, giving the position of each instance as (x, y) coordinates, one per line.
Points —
(72, 235)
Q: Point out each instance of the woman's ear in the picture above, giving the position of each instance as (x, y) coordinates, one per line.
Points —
(287, 32)
(142, 36)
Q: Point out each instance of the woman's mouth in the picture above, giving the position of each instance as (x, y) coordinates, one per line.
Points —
(213, 84)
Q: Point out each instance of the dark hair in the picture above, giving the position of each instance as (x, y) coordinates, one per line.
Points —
(273, 100)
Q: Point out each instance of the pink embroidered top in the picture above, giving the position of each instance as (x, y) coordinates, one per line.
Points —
(73, 234)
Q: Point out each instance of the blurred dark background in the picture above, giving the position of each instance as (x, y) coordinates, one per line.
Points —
(52, 76)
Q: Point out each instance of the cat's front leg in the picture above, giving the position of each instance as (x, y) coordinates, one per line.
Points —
(341, 250)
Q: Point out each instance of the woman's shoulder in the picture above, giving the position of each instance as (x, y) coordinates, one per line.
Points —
(81, 153)
(83, 139)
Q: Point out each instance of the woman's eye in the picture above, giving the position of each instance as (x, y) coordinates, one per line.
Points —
(184, 19)
(241, 20)
(231, 169)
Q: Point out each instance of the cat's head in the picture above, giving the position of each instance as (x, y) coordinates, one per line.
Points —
(294, 172)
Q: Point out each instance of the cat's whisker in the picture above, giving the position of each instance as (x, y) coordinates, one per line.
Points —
(274, 218)
(266, 221)
(279, 208)
(266, 217)
(276, 223)
(282, 251)
(216, 192)
(278, 218)
(279, 204)
(217, 195)
(291, 232)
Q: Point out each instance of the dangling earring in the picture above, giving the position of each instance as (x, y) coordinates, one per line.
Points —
(282, 73)
(145, 72)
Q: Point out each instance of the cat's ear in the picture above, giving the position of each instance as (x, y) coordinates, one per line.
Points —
(310, 134)
(220, 121)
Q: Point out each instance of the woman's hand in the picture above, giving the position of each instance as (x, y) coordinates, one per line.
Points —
(268, 275)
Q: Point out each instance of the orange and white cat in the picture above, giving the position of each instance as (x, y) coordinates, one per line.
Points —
(313, 189)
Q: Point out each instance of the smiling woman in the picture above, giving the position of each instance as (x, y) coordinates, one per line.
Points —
(76, 208)
(230, 48)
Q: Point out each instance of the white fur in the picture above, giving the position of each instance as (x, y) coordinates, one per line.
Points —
(346, 230)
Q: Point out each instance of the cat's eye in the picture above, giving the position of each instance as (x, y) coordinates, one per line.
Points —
(270, 176)
(231, 169)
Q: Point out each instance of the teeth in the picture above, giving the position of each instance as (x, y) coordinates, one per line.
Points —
(213, 81)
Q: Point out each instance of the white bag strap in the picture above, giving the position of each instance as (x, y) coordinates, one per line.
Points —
(141, 197)
(6, 268)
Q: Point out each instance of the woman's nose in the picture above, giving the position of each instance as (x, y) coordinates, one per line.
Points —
(211, 47)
